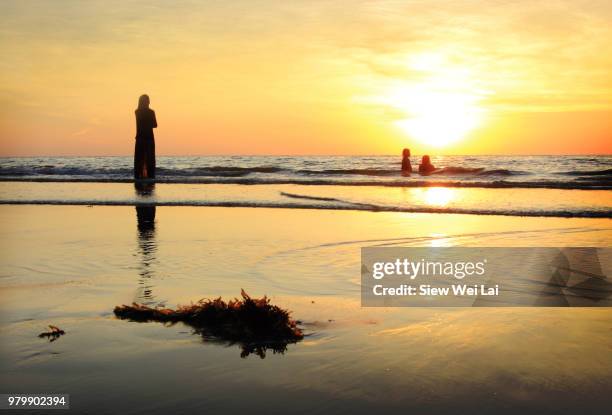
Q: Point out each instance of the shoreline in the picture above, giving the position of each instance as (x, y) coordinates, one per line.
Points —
(438, 200)
(566, 215)
(501, 184)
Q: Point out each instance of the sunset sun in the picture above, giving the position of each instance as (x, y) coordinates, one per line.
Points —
(441, 106)
(437, 118)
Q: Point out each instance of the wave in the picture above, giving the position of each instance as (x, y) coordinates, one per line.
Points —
(232, 171)
(341, 205)
(326, 199)
(50, 170)
(225, 169)
(501, 172)
(605, 184)
(360, 172)
(605, 172)
(450, 170)
(103, 172)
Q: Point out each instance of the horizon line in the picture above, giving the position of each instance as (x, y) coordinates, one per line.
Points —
(317, 155)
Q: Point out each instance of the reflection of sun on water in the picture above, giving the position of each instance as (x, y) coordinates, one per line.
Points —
(442, 106)
(439, 240)
(437, 196)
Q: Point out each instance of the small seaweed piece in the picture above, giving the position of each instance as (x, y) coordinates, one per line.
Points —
(52, 334)
(254, 324)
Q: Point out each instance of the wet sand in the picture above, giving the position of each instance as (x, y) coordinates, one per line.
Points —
(70, 265)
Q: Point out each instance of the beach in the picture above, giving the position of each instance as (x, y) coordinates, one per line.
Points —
(69, 266)
(365, 207)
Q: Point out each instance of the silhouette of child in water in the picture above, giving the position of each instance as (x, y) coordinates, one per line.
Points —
(406, 166)
(426, 167)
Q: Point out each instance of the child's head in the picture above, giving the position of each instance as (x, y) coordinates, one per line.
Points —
(425, 160)
(406, 152)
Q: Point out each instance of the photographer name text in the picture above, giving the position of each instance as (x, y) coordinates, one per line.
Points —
(428, 290)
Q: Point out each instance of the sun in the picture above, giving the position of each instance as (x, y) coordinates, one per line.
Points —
(441, 106)
(437, 118)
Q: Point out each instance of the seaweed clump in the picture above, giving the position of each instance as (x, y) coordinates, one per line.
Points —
(53, 334)
(254, 324)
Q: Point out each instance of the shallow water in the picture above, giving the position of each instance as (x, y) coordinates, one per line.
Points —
(565, 172)
(70, 265)
(481, 201)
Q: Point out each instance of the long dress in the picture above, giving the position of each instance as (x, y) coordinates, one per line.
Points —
(144, 151)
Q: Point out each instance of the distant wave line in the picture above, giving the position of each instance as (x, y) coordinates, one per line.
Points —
(498, 184)
(340, 206)
(237, 171)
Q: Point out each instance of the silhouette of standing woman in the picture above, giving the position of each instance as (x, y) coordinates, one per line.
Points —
(144, 152)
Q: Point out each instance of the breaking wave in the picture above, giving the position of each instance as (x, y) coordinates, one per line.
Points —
(335, 204)
(495, 184)
(588, 172)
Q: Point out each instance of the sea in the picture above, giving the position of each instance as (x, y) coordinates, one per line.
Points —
(561, 186)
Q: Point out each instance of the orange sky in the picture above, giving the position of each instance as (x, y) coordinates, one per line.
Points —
(308, 77)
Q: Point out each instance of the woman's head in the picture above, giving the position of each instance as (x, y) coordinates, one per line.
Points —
(143, 102)
(406, 152)
(425, 160)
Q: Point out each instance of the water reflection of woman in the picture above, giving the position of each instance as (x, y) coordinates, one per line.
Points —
(145, 216)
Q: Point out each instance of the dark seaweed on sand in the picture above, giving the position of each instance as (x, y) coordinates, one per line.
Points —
(253, 324)
(53, 334)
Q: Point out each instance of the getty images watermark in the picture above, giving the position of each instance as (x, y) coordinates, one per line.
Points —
(489, 277)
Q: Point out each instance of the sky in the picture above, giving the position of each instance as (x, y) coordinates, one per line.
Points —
(307, 76)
